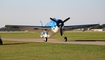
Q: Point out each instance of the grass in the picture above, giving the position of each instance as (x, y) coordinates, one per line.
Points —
(12, 50)
(84, 35)
(70, 35)
(19, 35)
(17, 50)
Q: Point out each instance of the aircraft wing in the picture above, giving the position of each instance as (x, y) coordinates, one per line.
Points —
(29, 28)
(41, 28)
(79, 26)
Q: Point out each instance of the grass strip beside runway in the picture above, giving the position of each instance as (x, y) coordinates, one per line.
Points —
(70, 35)
(12, 50)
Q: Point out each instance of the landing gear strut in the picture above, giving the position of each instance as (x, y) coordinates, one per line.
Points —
(65, 38)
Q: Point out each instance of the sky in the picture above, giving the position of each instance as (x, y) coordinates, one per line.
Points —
(31, 12)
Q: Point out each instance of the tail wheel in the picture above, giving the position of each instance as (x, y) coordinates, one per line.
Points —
(46, 39)
(65, 38)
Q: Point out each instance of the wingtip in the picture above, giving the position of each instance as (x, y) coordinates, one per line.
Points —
(69, 17)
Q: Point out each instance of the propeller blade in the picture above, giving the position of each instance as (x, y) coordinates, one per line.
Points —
(60, 24)
(66, 19)
(53, 19)
(61, 31)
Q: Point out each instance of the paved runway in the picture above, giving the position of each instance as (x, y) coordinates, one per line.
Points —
(55, 41)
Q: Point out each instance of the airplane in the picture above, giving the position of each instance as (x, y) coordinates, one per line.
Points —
(51, 28)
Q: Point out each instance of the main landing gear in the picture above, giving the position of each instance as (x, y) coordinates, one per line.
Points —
(45, 39)
(45, 35)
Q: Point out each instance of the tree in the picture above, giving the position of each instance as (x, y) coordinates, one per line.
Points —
(97, 27)
(103, 25)
(8, 29)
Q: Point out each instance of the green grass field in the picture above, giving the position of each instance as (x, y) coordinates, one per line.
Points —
(17, 50)
(70, 35)
(83, 35)
(12, 50)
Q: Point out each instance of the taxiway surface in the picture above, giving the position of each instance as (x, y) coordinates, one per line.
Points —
(55, 41)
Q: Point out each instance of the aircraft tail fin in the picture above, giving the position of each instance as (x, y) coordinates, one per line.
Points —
(99, 22)
(41, 24)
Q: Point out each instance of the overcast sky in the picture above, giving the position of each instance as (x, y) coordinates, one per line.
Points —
(31, 12)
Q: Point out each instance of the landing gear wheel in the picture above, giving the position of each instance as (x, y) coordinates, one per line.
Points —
(65, 38)
(46, 39)
(1, 43)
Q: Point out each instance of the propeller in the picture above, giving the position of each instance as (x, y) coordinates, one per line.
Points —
(60, 24)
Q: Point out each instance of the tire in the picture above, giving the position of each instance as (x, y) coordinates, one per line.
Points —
(65, 38)
(1, 43)
(46, 39)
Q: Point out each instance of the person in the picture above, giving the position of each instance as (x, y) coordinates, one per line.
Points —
(1, 43)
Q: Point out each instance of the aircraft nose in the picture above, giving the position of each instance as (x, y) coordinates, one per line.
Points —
(60, 23)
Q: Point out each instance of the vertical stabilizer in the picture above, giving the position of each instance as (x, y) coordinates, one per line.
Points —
(99, 22)
(41, 24)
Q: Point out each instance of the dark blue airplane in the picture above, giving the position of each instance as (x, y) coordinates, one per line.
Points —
(51, 28)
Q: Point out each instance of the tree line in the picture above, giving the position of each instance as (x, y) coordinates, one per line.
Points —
(9, 29)
(99, 26)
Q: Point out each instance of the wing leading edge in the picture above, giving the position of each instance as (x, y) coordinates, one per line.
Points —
(29, 28)
(79, 26)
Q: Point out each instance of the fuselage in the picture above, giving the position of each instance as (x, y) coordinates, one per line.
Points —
(54, 29)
